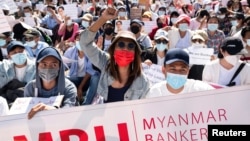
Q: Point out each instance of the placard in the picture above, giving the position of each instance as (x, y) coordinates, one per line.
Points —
(199, 56)
(153, 73)
(71, 11)
(4, 25)
(135, 13)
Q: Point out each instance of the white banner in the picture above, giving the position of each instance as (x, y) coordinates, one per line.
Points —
(71, 10)
(180, 117)
(4, 25)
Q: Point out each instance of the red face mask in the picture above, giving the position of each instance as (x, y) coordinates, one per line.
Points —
(123, 57)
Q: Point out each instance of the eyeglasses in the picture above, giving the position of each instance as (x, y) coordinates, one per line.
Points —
(130, 45)
(197, 40)
(161, 41)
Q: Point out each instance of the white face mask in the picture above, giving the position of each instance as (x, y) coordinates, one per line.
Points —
(122, 14)
(85, 24)
(31, 43)
(232, 59)
(69, 22)
(198, 45)
(248, 42)
(27, 14)
(221, 16)
(183, 26)
(173, 20)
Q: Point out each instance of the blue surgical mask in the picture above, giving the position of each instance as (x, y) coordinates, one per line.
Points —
(160, 13)
(78, 46)
(208, 7)
(234, 23)
(2, 42)
(31, 43)
(122, 14)
(161, 47)
(212, 27)
(183, 26)
(171, 8)
(248, 42)
(19, 58)
(176, 81)
(85, 24)
(173, 20)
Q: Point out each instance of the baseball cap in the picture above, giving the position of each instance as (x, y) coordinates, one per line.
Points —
(128, 35)
(32, 32)
(13, 44)
(161, 34)
(5, 34)
(183, 17)
(48, 51)
(233, 46)
(176, 54)
(137, 21)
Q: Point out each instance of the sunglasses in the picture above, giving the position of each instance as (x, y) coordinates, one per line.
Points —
(130, 45)
(161, 41)
(197, 40)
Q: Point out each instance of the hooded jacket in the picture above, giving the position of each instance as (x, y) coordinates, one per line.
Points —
(63, 87)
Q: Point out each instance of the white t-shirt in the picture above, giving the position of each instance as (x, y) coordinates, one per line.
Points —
(4, 108)
(107, 43)
(184, 42)
(80, 72)
(226, 75)
(160, 89)
(20, 73)
(160, 61)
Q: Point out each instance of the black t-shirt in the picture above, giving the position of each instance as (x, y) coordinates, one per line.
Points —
(68, 34)
(116, 94)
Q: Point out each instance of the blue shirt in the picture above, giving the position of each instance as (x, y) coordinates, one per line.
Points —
(49, 21)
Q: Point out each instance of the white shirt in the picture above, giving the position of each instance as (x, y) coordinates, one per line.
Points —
(184, 42)
(160, 89)
(160, 61)
(4, 108)
(80, 72)
(20, 73)
(226, 75)
(107, 43)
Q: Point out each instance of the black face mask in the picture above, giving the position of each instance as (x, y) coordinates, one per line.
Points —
(109, 31)
(159, 25)
(135, 29)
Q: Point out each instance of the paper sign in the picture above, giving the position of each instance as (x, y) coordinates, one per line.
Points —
(148, 26)
(4, 25)
(40, 7)
(200, 56)
(153, 73)
(182, 117)
(122, 25)
(47, 31)
(71, 11)
(135, 13)
(24, 104)
(11, 4)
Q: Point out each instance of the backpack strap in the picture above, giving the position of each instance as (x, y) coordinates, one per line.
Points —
(237, 72)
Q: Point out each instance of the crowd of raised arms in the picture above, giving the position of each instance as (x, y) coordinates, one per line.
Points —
(103, 52)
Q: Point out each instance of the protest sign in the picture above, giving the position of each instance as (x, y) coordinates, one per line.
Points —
(153, 73)
(200, 56)
(135, 13)
(174, 118)
(122, 25)
(24, 104)
(71, 10)
(11, 5)
(4, 25)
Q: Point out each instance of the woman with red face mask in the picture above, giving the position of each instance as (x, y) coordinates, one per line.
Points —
(121, 73)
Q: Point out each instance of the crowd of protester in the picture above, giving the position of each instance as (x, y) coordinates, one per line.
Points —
(92, 59)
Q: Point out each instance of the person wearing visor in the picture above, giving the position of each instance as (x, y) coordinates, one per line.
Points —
(50, 81)
(121, 73)
(5, 38)
(122, 14)
(222, 70)
(158, 54)
(176, 69)
(33, 42)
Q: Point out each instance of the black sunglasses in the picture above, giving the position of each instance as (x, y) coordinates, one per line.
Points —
(130, 45)
(161, 41)
(29, 38)
(197, 40)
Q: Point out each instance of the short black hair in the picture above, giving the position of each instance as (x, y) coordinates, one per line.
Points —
(244, 31)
